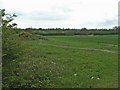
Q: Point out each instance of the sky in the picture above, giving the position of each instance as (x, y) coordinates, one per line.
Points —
(63, 13)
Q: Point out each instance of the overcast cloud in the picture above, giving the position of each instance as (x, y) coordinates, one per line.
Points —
(63, 13)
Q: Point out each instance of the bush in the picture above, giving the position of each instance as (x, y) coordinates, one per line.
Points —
(12, 47)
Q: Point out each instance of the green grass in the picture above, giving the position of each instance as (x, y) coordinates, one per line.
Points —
(55, 66)
(99, 41)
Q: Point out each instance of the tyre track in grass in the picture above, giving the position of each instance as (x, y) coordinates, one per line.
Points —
(88, 49)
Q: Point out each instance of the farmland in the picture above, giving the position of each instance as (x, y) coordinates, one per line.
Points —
(78, 61)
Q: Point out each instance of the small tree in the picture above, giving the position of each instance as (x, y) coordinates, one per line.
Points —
(11, 44)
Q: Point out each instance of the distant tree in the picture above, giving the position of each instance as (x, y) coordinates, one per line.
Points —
(39, 28)
(83, 29)
(116, 28)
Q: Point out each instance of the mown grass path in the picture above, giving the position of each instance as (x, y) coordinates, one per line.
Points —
(91, 49)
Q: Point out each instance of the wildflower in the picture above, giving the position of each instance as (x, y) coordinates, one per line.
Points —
(75, 74)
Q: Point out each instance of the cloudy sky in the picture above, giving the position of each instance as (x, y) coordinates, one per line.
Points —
(63, 13)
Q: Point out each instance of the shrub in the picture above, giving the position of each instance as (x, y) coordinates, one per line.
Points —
(24, 34)
(12, 47)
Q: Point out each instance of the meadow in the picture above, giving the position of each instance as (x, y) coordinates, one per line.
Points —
(78, 61)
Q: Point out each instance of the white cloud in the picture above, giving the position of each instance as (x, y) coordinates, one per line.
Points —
(64, 13)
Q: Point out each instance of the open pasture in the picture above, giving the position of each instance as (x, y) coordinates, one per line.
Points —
(86, 61)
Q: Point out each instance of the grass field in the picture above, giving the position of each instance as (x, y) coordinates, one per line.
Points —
(66, 62)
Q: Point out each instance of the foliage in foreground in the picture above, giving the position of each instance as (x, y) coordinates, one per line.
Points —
(15, 53)
(12, 47)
